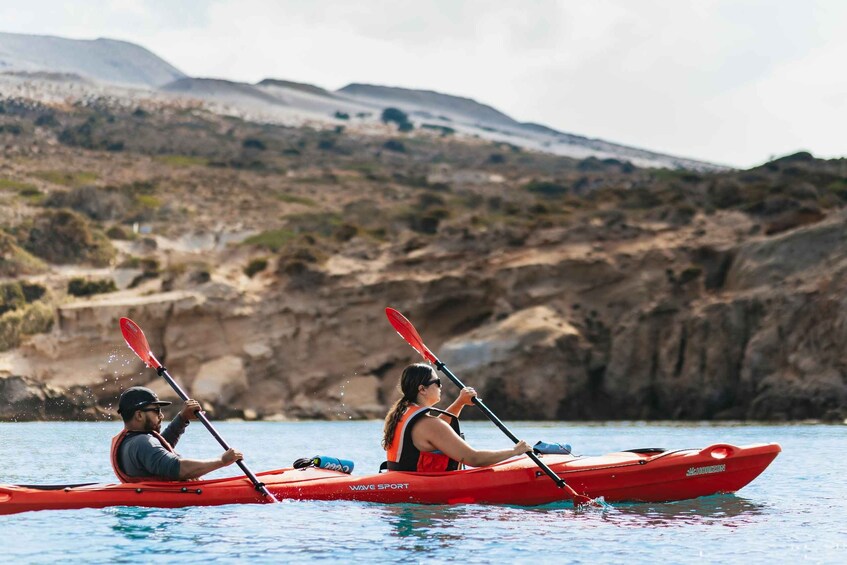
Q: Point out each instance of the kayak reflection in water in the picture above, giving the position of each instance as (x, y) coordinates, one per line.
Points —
(141, 453)
(418, 437)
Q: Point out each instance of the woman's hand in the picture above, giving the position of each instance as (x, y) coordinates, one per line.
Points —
(189, 408)
(466, 396)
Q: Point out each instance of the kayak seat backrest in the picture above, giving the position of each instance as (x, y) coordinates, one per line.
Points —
(646, 450)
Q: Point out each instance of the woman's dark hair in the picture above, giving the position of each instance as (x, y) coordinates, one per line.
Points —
(413, 376)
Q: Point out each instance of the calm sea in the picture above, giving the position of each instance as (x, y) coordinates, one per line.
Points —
(794, 511)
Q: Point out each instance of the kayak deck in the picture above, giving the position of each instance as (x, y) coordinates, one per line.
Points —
(629, 476)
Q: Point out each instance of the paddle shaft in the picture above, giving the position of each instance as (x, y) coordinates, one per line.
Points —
(202, 417)
(491, 416)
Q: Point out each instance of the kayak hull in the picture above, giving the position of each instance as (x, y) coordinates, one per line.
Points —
(617, 477)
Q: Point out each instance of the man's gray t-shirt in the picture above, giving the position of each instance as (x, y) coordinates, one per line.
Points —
(142, 455)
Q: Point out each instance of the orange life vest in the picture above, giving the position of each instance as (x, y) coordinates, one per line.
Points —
(402, 455)
(116, 445)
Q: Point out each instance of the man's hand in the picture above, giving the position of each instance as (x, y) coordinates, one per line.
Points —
(189, 408)
(230, 456)
(521, 447)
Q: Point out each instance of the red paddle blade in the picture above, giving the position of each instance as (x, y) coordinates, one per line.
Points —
(408, 332)
(138, 343)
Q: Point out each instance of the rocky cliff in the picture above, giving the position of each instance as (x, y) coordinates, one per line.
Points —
(259, 260)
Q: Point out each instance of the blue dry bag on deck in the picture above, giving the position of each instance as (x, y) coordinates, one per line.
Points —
(552, 448)
(324, 462)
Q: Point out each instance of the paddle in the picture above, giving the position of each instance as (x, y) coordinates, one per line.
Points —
(408, 332)
(136, 341)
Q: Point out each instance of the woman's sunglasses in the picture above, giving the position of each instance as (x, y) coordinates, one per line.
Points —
(435, 381)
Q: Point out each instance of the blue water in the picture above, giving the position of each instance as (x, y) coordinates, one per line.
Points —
(794, 511)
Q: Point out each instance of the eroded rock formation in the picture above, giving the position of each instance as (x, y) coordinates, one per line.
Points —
(689, 327)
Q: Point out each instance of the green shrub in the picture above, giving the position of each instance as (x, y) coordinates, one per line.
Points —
(67, 178)
(394, 115)
(11, 297)
(182, 160)
(32, 194)
(14, 261)
(97, 203)
(345, 232)
(394, 145)
(148, 201)
(36, 318)
(546, 188)
(428, 221)
(272, 240)
(445, 131)
(29, 320)
(10, 330)
(119, 232)
(253, 143)
(83, 287)
(32, 291)
(63, 237)
(398, 117)
(255, 266)
(19, 186)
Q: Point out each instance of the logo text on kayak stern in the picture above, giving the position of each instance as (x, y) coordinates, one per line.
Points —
(694, 471)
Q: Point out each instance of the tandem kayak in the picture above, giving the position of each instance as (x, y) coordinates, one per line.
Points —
(640, 475)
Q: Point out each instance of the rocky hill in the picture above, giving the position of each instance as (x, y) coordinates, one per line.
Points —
(51, 68)
(107, 60)
(258, 258)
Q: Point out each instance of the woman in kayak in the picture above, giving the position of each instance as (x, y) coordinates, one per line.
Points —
(418, 437)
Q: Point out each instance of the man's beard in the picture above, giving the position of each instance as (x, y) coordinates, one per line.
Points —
(153, 426)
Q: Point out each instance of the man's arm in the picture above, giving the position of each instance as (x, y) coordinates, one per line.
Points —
(177, 426)
(196, 468)
(175, 430)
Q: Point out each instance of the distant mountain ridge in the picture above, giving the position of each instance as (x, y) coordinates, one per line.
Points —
(309, 88)
(107, 60)
(218, 89)
(434, 101)
(54, 59)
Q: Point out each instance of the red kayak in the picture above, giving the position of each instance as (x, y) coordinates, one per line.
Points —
(647, 475)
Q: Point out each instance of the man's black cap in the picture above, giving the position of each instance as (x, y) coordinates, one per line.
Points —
(136, 397)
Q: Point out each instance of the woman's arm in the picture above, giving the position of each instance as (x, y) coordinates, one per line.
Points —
(465, 398)
(432, 434)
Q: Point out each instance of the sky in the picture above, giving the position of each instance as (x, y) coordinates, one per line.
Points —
(734, 82)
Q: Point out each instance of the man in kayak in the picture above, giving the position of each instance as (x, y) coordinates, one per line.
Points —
(141, 453)
(418, 437)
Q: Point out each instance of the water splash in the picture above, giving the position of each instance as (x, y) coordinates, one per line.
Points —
(343, 412)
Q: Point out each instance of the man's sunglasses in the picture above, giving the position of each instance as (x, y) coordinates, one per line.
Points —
(159, 410)
(435, 381)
